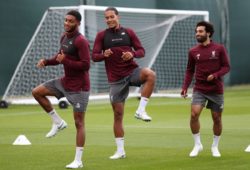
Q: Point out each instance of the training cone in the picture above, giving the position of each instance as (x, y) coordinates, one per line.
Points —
(248, 149)
(21, 140)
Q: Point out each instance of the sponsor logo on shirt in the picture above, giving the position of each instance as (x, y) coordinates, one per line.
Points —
(117, 39)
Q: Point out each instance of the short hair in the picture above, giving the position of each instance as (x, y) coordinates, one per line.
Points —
(112, 9)
(76, 14)
(208, 27)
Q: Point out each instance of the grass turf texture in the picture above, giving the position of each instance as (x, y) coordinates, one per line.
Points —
(162, 144)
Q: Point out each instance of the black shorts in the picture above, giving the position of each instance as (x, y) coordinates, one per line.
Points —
(215, 102)
(119, 90)
(79, 100)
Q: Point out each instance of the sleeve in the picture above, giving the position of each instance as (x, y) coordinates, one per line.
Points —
(52, 61)
(225, 65)
(189, 71)
(83, 52)
(97, 53)
(139, 51)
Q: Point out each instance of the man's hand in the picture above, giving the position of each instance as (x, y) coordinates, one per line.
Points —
(107, 53)
(60, 57)
(41, 63)
(126, 56)
(210, 77)
(184, 93)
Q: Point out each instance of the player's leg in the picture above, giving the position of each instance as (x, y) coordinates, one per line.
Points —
(79, 101)
(215, 103)
(118, 109)
(80, 140)
(195, 128)
(40, 93)
(147, 77)
(217, 129)
(118, 94)
(198, 102)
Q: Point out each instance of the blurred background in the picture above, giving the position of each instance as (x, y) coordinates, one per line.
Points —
(19, 20)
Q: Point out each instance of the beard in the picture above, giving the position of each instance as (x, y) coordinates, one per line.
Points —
(72, 29)
(201, 39)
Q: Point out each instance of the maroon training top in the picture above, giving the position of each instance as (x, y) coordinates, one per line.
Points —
(203, 61)
(76, 62)
(118, 40)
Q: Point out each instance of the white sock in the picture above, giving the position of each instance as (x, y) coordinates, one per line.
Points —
(120, 144)
(197, 139)
(216, 141)
(143, 104)
(78, 155)
(55, 117)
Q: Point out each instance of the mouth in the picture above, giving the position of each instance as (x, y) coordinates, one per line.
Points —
(111, 24)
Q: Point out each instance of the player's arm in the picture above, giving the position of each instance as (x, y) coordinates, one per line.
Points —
(139, 51)
(83, 52)
(98, 54)
(225, 65)
(188, 75)
(46, 62)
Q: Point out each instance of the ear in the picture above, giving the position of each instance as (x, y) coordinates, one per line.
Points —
(208, 33)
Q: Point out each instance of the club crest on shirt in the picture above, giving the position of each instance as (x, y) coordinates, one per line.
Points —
(213, 55)
(197, 56)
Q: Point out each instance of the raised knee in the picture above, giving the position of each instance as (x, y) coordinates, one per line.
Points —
(35, 92)
(150, 74)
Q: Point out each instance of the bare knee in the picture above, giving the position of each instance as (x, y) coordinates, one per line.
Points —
(194, 117)
(118, 116)
(78, 124)
(36, 92)
(149, 75)
(217, 120)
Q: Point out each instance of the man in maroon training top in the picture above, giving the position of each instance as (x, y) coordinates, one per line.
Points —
(118, 46)
(209, 62)
(74, 85)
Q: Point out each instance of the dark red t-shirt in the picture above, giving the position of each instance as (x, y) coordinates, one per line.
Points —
(203, 61)
(76, 62)
(119, 41)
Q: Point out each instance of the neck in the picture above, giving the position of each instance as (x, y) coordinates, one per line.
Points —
(205, 43)
(71, 33)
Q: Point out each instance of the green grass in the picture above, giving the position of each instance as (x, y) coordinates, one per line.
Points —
(163, 144)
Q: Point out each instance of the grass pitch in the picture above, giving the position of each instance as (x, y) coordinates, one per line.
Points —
(163, 144)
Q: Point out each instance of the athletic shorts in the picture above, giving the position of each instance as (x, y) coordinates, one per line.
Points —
(119, 90)
(79, 100)
(215, 102)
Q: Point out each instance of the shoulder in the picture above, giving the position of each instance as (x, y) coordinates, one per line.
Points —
(101, 33)
(194, 48)
(81, 39)
(215, 44)
(218, 46)
(129, 30)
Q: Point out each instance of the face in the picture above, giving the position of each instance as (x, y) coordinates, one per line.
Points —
(70, 23)
(111, 19)
(201, 34)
